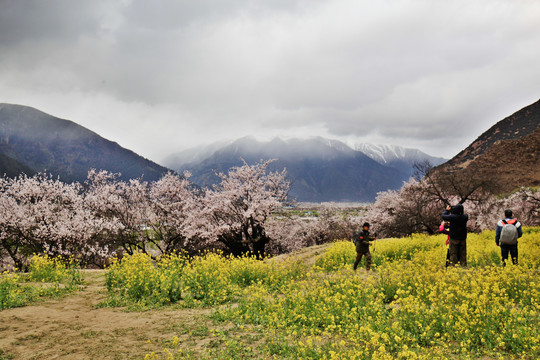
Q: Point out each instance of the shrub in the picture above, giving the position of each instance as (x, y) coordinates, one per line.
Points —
(47, 269)
(139, 279)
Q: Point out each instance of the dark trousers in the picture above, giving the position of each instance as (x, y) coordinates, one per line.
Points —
(359, 254)
(458, 252)
(512, 249)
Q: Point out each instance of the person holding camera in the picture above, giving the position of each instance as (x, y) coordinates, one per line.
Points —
(458, 234)
(362, 240)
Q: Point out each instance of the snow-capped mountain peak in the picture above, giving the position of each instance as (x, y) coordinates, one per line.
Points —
(386, 154)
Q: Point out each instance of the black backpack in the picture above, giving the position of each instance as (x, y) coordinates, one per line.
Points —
(356, 238)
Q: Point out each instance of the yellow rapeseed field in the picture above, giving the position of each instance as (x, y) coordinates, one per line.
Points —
(409, 307)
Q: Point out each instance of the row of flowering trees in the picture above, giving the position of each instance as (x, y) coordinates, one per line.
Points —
(105, 216)
(417, 206)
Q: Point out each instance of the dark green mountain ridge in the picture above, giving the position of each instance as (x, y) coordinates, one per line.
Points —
(32, 141)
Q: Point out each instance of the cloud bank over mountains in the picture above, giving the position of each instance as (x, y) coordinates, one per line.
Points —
(162, 76)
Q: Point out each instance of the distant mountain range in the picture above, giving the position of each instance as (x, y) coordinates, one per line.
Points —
(320, 169)
(32, 141)
(508, 153)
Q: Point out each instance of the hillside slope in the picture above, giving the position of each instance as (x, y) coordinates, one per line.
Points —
(511, 163)
(507, 154)
(40, 142)
(12, 168)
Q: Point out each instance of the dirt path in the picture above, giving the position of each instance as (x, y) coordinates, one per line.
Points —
(307, 255)
(74, 328)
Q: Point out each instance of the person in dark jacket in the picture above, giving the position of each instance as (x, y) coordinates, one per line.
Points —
(458, 234)
(362, 240)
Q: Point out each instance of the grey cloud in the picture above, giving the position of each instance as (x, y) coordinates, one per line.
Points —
(401, 70)
(179, 14)
(53, 20)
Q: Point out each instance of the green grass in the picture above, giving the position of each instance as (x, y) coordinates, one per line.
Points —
(46, 278)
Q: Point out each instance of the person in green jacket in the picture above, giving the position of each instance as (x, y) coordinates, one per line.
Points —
(362, 240)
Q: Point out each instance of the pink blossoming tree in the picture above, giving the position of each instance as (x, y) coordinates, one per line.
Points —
(234, 212)
(42, 215)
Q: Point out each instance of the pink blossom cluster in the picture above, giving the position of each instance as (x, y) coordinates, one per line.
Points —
(293, 233)
(417, 206)
(105, 215)
(41, 214)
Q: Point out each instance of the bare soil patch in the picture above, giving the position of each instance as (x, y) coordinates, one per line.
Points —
(74, 327)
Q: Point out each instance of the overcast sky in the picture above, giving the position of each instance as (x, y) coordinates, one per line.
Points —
(165, 75)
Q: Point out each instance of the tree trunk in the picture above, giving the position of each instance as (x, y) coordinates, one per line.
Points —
(234, 244)
(13, 254)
